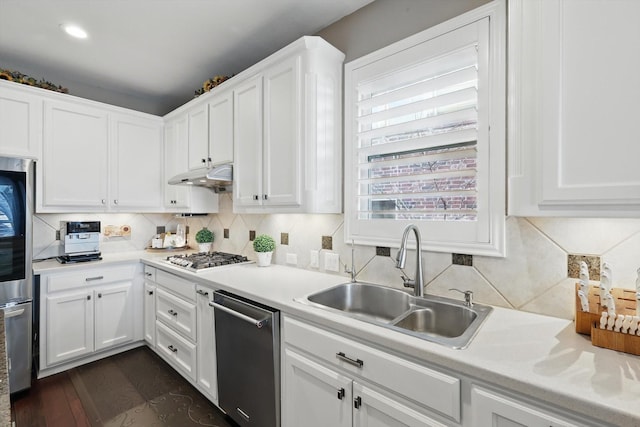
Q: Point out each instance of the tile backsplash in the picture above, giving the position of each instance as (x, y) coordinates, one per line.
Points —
(532, 277)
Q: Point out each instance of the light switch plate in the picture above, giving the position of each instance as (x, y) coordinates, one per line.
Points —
(292, 259)
(332, 262)
(314, 259)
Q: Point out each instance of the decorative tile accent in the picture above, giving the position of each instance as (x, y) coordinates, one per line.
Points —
(160, 229)
(225, 233)
(284, 238)
(327, 243)
(461, 259)
(383, 251)
(573, 266)
(252, 235)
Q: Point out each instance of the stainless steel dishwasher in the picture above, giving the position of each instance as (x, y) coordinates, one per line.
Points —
(248, 353)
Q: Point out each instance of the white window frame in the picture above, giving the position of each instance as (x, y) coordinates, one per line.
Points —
(487, 235)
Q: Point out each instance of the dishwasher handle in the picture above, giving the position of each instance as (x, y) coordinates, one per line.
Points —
(258, 322)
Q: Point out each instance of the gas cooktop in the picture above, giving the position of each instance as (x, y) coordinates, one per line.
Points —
(203, 261)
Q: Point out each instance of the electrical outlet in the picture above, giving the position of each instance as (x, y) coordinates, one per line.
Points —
(332, 262)
(292, 259)
(314, 259)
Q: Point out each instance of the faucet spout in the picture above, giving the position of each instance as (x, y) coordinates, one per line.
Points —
(418, 282)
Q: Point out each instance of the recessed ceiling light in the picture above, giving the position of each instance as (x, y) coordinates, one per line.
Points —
(74, 31)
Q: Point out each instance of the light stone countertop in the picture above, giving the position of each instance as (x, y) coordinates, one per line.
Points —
(538, 356)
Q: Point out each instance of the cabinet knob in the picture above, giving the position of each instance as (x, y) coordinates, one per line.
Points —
(204, 160)
(265, 197)
(103, 201)
(150, 292)
(88, 297)
(255, 197)
(341, 393)
(115, 201)
(99, 295)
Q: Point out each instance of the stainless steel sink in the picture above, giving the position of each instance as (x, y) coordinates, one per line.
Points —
(360, 299)
(442, 320)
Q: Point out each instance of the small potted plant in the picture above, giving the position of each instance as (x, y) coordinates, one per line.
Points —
(264, 246)
(204, 238)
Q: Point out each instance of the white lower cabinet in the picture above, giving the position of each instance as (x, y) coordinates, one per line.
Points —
(178, 351)
(87, 312)
(334, 380)
(207, 372)
(492, 409)
(150, 314)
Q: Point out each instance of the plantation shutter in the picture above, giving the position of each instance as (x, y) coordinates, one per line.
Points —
(417, 132)
(424, 135)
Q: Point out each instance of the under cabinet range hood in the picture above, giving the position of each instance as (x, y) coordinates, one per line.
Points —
(219, 178)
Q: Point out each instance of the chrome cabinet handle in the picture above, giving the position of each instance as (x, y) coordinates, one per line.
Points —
(173, 349)
(355, 362)
(173, 313)
(148, 274)
(91, 279)
(103, 201)
(203, 293)
(259, 323)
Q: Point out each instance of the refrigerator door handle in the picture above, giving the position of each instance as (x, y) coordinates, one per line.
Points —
(14, 313)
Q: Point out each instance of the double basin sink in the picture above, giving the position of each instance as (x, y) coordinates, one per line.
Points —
(441, 320)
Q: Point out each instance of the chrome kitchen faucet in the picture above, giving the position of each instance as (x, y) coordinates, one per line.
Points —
(418, 282)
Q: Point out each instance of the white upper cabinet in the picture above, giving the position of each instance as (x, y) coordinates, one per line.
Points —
(198, 136)
(135, 166)
(221, 127)
(73, 173)
(573, 107)
(97, 158)
(210, 129)
(287, 142)
(20, 122)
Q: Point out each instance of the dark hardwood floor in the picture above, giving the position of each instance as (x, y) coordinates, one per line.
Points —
(135, 388)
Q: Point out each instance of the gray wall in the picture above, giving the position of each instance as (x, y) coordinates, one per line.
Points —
(386, 21)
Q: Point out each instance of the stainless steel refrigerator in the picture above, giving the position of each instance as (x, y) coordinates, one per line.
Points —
(16, 277)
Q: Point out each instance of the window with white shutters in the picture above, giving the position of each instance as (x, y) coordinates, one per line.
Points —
(425, 141)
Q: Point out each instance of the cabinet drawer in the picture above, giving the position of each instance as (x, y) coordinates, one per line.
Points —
(177, 285)
(88, 277)
(430, 388)
(177, 313)
(150, 273)
(176, 350)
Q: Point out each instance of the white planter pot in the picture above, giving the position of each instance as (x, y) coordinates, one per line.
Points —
(204, 247)
(264, 258)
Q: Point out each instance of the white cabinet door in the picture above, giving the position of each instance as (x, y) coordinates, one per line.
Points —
(207, 373)
(69, 326)
(221, 128)
(282, 134)
(313, 395)
(136, 163)
(573, 108)
(113, 315)
(150, 314)
(247, 180)
(175, 162)
(372, 409)
(20, 122)
(198, 137)
(493, 410)
(75, 158)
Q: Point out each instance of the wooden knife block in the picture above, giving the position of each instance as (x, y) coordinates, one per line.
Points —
(589, 323)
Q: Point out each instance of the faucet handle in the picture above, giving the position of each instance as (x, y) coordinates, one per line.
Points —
(468, 296)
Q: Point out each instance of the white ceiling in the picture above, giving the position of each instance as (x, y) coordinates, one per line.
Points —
(159, 51)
